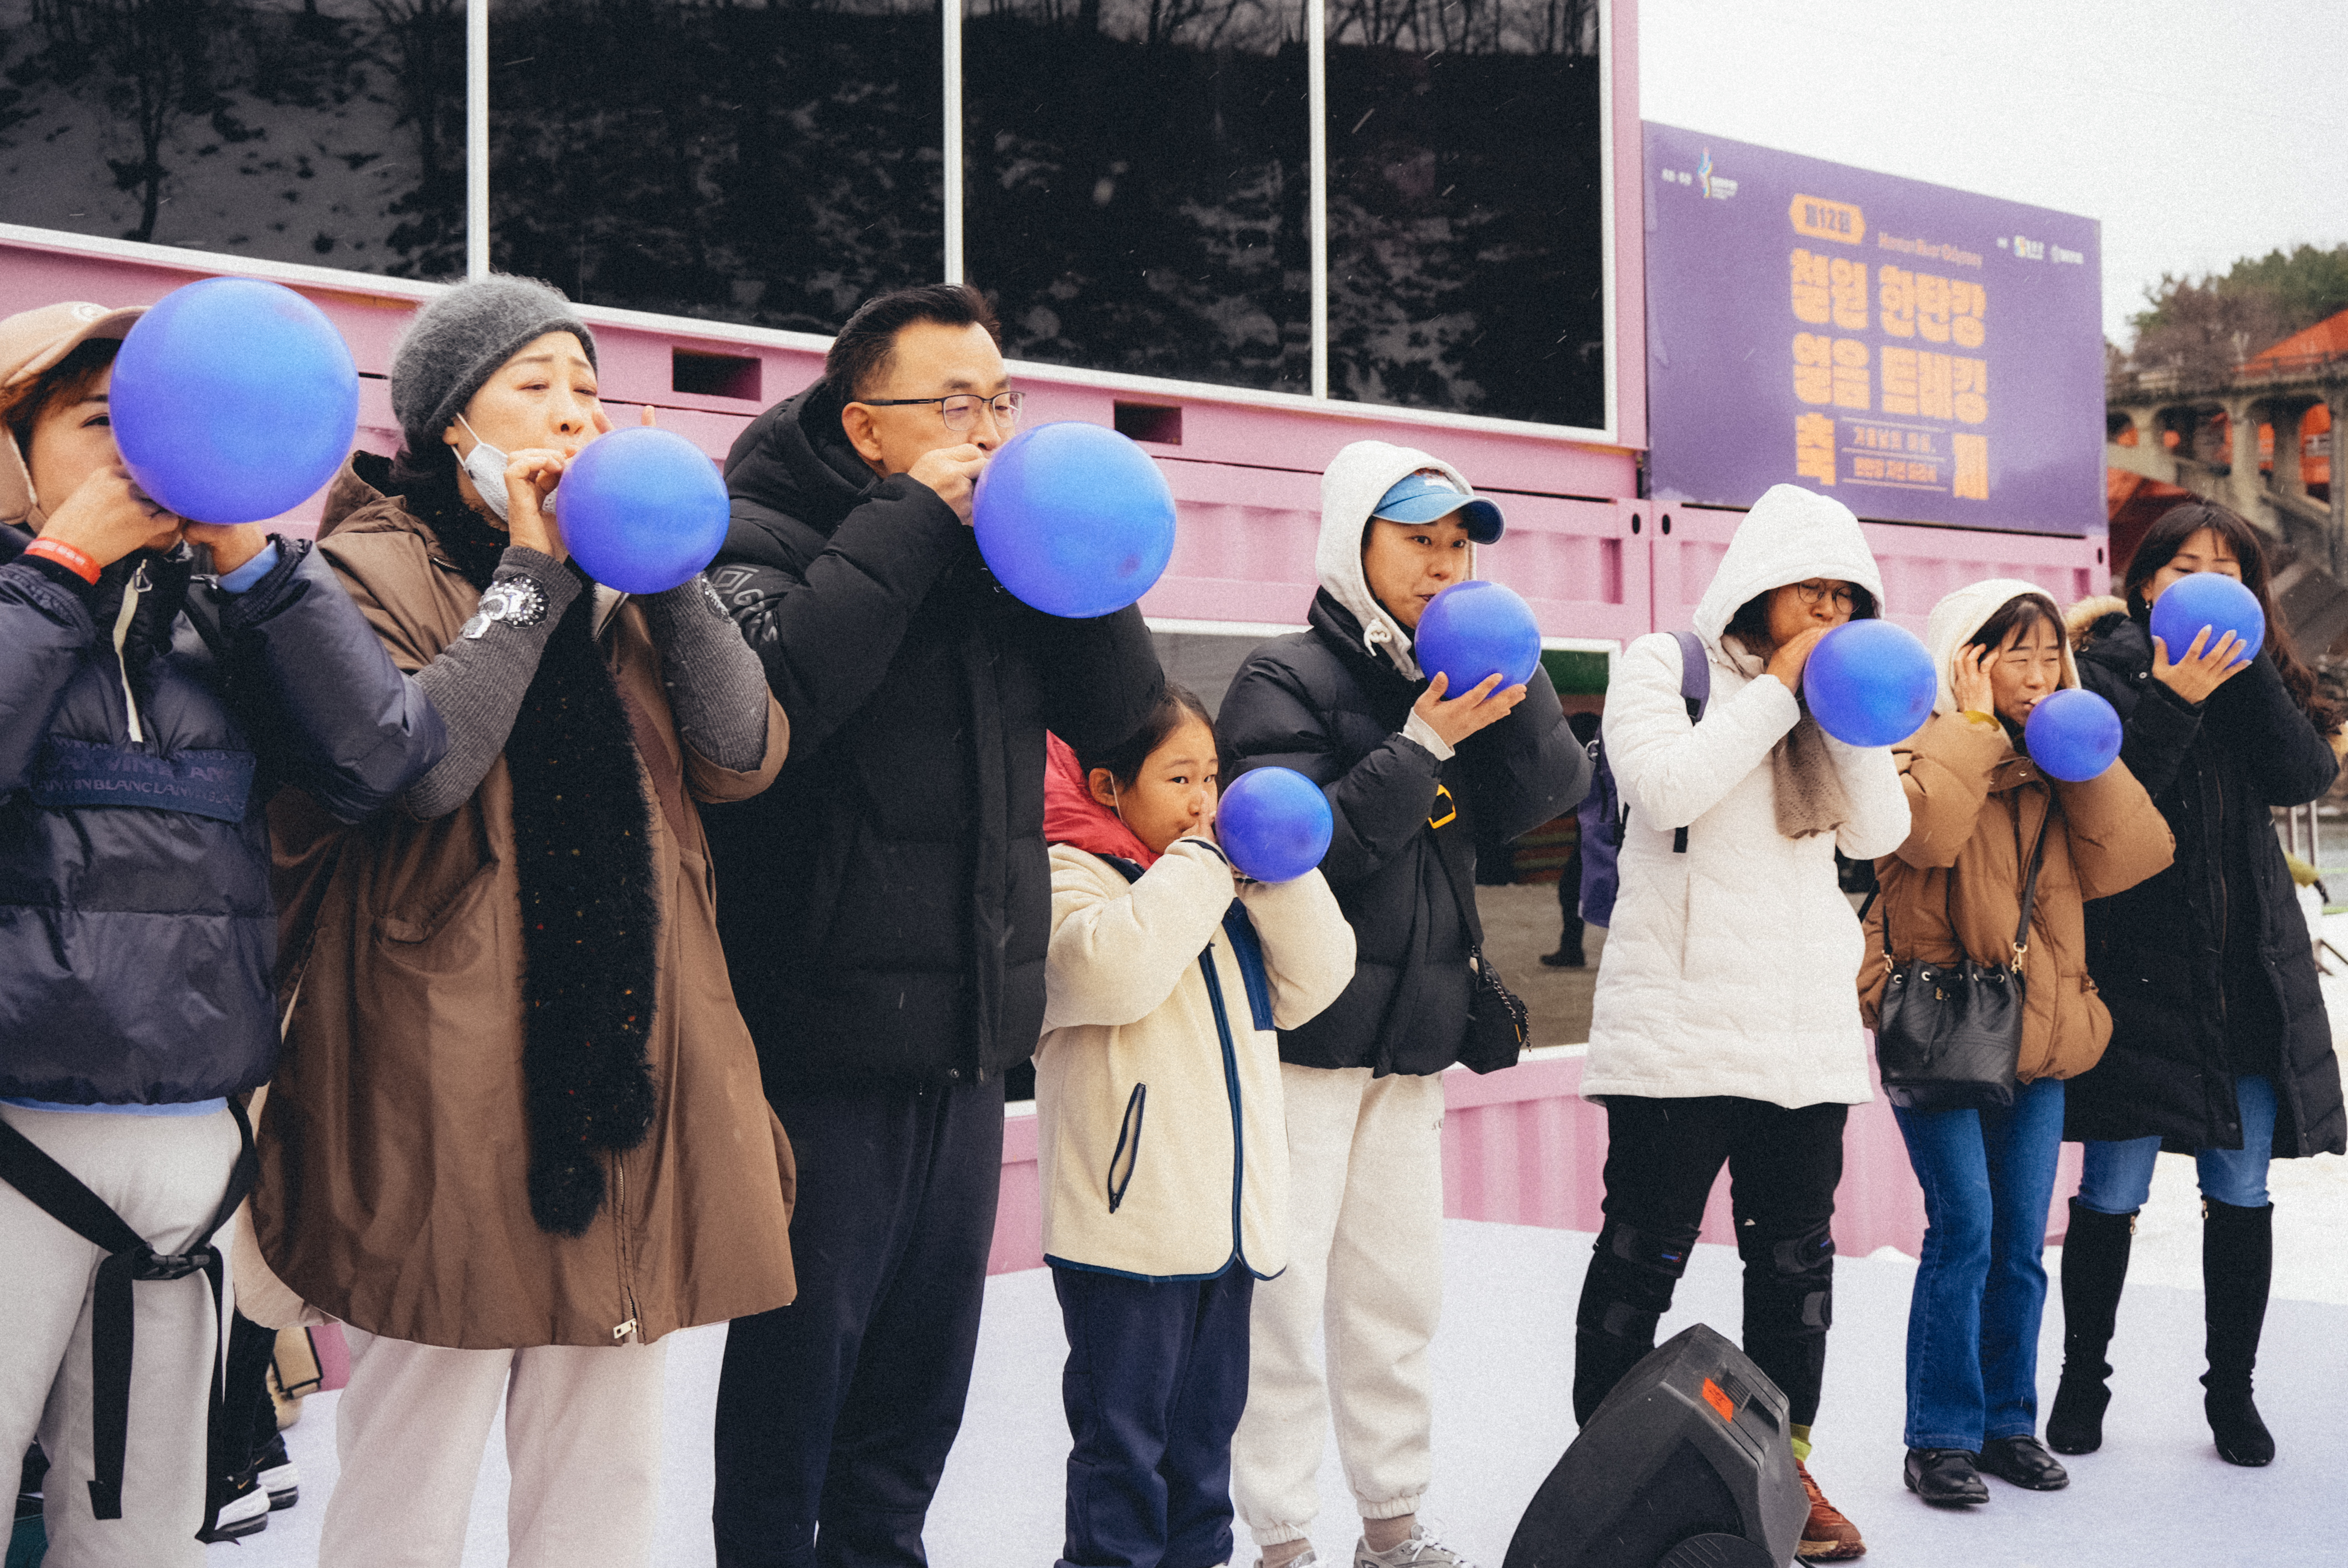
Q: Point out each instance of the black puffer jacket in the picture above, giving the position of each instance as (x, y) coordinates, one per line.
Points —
(137, 932)
(1321, 703)
(2159, 950)
(886, 906)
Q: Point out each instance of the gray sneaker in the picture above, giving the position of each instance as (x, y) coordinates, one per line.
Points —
(1307, 1561)
(1422, 1550)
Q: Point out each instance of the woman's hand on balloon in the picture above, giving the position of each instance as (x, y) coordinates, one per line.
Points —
(1459, 717)
(1789, 660)
(2202, 669)
(531, 475)
(1969, 681)
(952, 472)
(108, 516)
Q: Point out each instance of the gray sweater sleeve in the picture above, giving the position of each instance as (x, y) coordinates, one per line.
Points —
(477, 683)
(717, 687)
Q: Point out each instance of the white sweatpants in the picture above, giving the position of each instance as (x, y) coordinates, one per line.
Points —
(582, 1442)
(1365, 1268)
(165, 1177)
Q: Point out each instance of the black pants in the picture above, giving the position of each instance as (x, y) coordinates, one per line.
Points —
(1661, 1156)
(1156, 1377)
(835, 1414)
(1569, 903)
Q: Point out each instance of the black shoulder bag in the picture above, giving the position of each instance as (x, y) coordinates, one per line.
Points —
(1948, 1036)
(1497, 1019)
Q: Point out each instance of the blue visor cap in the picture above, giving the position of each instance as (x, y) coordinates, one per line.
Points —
(1422, 497)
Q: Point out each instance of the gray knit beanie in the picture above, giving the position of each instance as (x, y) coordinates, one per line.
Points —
(457, 342)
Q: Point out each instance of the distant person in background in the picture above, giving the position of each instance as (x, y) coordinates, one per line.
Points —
(159, 681)
(1724, 1026)
(1414, 773)
(1980, 812)
(1569, 954)
(2220, 1043)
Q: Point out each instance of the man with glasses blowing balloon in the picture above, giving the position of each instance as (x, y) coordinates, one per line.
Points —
(885, 909)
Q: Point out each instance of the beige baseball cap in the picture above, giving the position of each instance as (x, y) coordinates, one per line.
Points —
(31, 342)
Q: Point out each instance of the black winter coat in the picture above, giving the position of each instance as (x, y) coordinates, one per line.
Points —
(2156, 951)
(1320, 703)
(137, 936)
(886, 905)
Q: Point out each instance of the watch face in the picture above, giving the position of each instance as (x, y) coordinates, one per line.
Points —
(515, 602)
(709, 596)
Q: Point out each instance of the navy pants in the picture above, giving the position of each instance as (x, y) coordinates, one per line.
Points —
(1156, 1377)
(835, 1414)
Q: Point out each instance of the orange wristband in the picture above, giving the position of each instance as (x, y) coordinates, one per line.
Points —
(79, 562)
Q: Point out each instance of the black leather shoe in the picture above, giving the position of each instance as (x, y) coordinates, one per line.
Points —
(1945, 1476)
(1565, 958)
(2024, 1462)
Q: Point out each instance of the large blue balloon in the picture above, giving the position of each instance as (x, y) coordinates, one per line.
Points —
(1274, 823)
(1074, 518)
(234, 400)
(1475, 629)
(2213, 600)
(2072, 734)
(642, 509)
(1869, 683)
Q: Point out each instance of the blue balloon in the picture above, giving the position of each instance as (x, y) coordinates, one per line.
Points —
(1074, 518)
(2213, 600)
(1475, 629)
(234, 400)
(642, 509)
(2073, 735)
(1869, 683)
(1274, 823)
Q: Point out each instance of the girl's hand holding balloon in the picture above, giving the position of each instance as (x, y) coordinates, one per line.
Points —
(108, 516)
(1969, 681)
(1463, 715)
(2202, 669)
(1788, 662)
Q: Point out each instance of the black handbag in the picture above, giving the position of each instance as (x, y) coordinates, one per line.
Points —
(1497, 1023)
(1947, 1036)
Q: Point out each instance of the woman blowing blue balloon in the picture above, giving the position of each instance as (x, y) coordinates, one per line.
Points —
(2220, 1045)
(1980, 815)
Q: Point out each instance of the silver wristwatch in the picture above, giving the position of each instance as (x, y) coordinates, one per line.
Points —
(512, 601)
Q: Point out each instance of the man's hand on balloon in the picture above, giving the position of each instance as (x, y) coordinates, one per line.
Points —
(1788, 662)
(1969, 681)
(108, 516)
(1471, 710)
(531, 475)
(952, 472)
(232, 544)
(2202, 669)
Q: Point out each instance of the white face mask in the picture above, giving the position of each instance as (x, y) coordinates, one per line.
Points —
(486, 464)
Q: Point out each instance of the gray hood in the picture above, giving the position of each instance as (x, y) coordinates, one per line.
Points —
(1350, 487)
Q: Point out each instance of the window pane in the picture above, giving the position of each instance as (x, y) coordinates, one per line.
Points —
(1465, 208)
(740, 163)
(1137, 184)
(331, 132)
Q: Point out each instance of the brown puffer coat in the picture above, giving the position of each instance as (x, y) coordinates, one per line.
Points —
(394, 1148)
(1975, 805)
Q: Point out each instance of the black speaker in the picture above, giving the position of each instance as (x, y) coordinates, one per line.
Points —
(1687, 1464)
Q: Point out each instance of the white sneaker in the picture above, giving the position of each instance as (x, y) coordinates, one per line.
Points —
(1307, 1561)
(1422, 1550)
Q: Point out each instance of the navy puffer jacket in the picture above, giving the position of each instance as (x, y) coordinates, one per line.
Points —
(144, 722)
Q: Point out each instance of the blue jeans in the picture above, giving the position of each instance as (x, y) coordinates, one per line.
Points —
(2118, 1176)
(1973, 1324)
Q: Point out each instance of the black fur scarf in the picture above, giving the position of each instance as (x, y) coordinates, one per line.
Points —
(590, 914)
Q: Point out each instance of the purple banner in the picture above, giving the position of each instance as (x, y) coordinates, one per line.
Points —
(1920, 353)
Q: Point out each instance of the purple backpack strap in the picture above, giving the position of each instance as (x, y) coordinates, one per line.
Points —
(1696, 690)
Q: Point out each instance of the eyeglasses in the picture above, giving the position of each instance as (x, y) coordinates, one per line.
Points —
(961, 411)
(1812, 592)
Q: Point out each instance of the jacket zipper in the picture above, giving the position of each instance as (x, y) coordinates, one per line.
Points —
(1127, 1153)
(622, 1332)
(1230, 1091)
(122, 618)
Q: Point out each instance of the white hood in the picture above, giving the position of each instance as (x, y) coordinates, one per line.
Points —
(1791, 535)
(1966, 610)
(1351, 485)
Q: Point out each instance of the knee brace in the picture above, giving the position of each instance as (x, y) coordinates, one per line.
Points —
(1791, 1277)
(1632, 1276)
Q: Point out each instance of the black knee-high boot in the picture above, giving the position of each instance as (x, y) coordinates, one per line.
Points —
(2095, 1267)
(1628, 1288)
(2237, 1266)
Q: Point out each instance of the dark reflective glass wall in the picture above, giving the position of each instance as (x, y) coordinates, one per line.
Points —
(1466, 202)
(1137, 184)
(331, 132)
(749, 163)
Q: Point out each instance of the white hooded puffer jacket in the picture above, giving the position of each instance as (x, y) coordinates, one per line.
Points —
(1730, 970)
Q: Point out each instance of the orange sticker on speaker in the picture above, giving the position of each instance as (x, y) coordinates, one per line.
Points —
(1719, 1400)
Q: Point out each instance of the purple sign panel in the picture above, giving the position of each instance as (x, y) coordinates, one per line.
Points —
(1923, 355)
